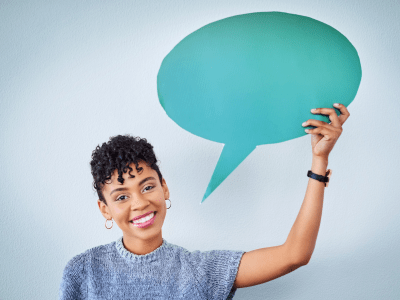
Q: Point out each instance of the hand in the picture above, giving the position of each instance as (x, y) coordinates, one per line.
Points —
(324, 137)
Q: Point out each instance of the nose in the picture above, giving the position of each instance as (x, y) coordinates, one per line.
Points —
(139, 203)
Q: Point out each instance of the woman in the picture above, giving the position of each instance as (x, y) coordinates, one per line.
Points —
(143, 265)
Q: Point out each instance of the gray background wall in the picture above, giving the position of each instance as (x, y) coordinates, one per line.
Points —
(74, 73)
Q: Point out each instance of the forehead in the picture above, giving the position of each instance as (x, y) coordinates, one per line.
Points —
(143, 173)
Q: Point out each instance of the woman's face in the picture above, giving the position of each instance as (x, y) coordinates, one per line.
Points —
(135, 197)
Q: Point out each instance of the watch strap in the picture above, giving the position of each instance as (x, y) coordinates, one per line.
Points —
(321, 178)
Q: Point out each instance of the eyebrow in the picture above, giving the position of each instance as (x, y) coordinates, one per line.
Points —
(140, 183)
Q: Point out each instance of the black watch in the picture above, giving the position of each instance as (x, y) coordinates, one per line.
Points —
(324, 179)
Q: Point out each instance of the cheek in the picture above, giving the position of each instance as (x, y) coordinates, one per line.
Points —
(119, 210)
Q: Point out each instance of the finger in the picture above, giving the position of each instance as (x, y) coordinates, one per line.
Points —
(335, 121)
(315, 123)
(327, 133)
(344, 113)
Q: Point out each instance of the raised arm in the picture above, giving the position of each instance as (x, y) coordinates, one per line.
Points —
(265, 264)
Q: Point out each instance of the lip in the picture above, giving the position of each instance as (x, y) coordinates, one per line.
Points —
(146, 224)
(139, 217)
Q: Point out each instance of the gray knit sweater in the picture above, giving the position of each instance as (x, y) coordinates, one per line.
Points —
(169, 272)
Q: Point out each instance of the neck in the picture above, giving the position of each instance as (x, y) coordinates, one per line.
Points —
(140, 246)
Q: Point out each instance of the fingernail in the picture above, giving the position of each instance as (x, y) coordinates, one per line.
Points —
(336, 104)
(313, 110)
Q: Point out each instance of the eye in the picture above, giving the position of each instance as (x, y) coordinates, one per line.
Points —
(152, 187)
(119, 198)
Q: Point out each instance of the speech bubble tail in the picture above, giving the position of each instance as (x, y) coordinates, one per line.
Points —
(231, 157)
(204, 197)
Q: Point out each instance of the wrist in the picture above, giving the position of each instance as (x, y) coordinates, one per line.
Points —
(320, 159)
(319, 165)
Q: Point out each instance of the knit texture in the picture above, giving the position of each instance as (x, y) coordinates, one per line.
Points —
(169, 272)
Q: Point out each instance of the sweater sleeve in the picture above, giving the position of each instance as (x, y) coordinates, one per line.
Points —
(216, 272)
(73, 282)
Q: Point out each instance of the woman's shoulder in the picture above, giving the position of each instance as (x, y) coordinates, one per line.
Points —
(78, 261)
(205, 258)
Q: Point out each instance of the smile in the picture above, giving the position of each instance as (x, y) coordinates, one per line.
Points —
(145, 222)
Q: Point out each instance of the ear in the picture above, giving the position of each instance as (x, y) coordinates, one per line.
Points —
(165, 188)
(104, 209)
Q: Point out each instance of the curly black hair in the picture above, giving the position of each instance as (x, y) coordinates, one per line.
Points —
(118, 153)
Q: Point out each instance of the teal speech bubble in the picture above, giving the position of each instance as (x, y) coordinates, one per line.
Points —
(252, 79)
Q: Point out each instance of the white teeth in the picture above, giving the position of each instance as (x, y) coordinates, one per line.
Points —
(145, 219)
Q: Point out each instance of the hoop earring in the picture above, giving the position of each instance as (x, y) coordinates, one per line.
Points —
(112, 224)
(169, 204)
